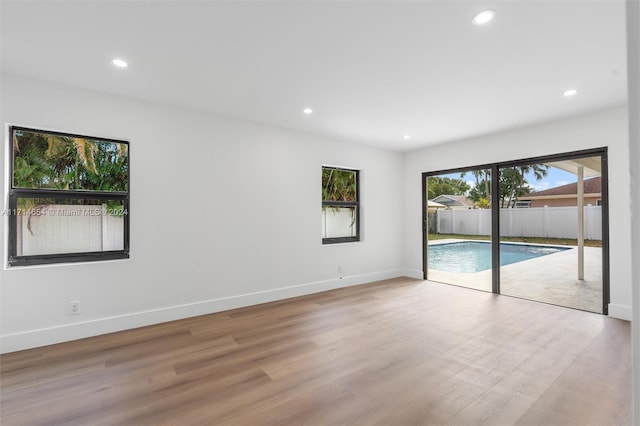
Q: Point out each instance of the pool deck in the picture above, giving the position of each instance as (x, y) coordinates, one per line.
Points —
(551, 279)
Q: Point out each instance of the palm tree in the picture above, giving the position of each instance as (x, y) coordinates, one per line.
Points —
(482, 178)
(516, 182)
(43, 160)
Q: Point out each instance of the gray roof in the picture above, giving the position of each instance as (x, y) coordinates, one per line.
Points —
(453, 200)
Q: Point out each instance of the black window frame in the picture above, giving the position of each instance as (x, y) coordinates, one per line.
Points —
(495, 214)
(58, 258)
(355, 204)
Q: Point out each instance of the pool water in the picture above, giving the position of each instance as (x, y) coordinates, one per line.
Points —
(475, 256)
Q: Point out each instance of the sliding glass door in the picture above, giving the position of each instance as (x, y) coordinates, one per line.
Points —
(458, 228)
(535, 229)
(551, 232)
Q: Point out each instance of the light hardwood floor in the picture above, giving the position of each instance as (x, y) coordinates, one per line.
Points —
(397, 352)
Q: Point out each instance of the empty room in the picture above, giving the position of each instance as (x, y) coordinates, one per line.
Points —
(319, 212)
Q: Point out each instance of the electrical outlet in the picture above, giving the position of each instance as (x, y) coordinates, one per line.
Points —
(74, 308)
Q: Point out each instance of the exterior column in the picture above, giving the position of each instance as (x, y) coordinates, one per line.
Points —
(580, 223)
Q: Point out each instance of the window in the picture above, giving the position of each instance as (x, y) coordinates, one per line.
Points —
(340, 205)
(522, 204)
(68, 198)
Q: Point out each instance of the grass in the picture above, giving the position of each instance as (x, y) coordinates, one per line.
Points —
(534, 240)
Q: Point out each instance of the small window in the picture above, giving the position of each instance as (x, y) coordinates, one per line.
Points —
(522, 204)
(340, 205)
(68, 198)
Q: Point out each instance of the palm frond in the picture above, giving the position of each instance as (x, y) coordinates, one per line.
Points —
(86, 151)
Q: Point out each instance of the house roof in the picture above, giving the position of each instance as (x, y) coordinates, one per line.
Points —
(432, 204)
(591, 186)
(453, 200)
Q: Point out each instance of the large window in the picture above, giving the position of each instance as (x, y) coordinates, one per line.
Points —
(68, 198)
(340, 205)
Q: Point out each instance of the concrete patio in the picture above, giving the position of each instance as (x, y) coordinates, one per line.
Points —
(550, 279)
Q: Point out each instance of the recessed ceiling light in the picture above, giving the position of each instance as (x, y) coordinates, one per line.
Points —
(406, 137)
(484, 17)
(569, 93)
(120, 63)
(307, 110)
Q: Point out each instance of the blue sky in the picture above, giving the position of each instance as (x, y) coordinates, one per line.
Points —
(555, 177)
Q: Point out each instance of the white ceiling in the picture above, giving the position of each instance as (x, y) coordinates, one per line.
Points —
(371, 71)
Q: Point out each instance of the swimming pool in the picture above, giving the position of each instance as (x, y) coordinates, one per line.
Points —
(475, 256)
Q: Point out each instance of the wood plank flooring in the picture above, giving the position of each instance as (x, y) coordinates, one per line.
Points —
(397, 352)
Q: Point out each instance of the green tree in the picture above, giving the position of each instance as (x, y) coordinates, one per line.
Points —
(482, 189)
(513, 183)
(437, 185)
(338, 185)
(48, 161)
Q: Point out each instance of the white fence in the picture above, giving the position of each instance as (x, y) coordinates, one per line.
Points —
(69, 229)
(338, 222)
(545, 222)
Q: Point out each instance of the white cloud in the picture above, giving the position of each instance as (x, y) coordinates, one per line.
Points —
(541, 186)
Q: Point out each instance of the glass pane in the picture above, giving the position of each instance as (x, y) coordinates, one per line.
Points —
(50, 161)
(459, 229)
(339, 222)
(541, 239)
(339, 185)
(47, 226)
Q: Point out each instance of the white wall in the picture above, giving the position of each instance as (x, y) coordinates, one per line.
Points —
(604, 128)
(186, 162)
(260, 184)
(633, 87)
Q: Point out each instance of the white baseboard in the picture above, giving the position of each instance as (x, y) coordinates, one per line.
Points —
(67, 332)
(418, 274)
(622, 312)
